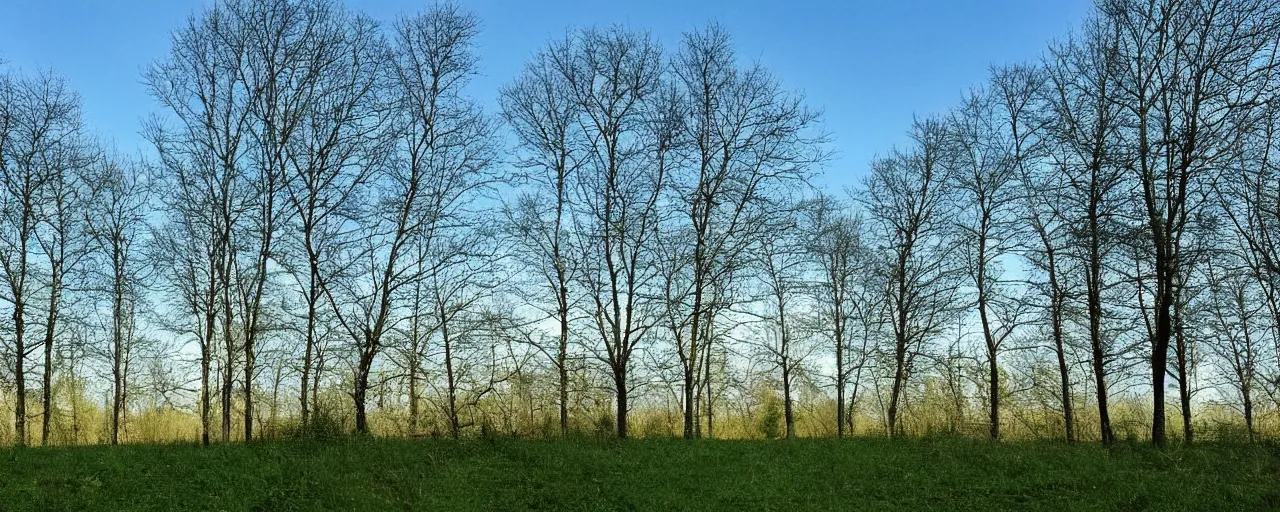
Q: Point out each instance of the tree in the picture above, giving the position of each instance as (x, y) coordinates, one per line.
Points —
(445, 147)
(833, 242)
(201, 156)
(1083, 130)
(984, 156)
(1046, 249)
(905, 200)
(60, 235)
(541, 109)
(41, 146)
(342, 138)
(1235, 306)
(748, 137)
(117, 226)
(1190, 77)
(615, 78)
(781, 264)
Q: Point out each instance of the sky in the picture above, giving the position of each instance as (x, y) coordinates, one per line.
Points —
(868, 65)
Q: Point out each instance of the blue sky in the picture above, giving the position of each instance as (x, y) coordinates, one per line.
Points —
(868, 65)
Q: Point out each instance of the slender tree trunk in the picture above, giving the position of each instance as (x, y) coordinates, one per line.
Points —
(786, 399)
(899, 377)
(840, 375)
(1184, 374)
(228, 339)
(313, 296)
(562, 365)
(1064, 376)
(1057, 302)
(20, 371)
(206, 357)
(706, 356)
(118, 362)
(1160, 364)
(55, 291)
(692, 365)
(993, 366)
(414, 412)
(455, 430)
(1094, 278)
(248, 391)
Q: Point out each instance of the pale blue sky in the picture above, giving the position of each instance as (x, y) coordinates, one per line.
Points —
(868, 65)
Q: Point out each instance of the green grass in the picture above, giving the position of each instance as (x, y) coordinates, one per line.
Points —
(860, 474)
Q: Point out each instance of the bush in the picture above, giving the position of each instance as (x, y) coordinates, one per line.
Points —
(770, 422)
(322, 426)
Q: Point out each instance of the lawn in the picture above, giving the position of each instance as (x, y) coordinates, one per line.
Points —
(859, 474)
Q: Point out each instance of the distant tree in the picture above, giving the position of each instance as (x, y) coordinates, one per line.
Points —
(833, 243)
(780, 259)
(1235, 307)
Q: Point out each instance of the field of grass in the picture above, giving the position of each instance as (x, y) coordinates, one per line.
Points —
(859, 474)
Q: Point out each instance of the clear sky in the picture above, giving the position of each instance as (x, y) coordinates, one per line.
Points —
(869, 65)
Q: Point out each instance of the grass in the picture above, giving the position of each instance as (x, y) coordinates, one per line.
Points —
(859, 474)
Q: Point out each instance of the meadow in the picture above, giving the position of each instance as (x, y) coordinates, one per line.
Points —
(651, 474)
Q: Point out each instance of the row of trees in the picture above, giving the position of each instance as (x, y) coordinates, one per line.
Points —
(327, 210)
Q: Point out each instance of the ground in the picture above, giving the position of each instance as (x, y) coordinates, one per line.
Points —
(858, 474)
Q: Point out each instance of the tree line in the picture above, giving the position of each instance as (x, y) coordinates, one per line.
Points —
(328, 222)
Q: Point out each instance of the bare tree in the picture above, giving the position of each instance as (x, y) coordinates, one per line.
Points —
(1085, 120)
(41, 144)
(1190, 77)
(117, 225)
(985, 174)
(61, 236)
(341, 139)
(201, 156)
(833, 241)
(747, 136)
(445, 147)
(541, 109)
(615, 77)
(1046, 249)
(781, 262)
(1234, 304)
(905, 200)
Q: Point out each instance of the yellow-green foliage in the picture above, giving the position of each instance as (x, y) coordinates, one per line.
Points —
(929, 411)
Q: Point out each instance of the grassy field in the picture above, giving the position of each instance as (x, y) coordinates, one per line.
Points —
(860, 474)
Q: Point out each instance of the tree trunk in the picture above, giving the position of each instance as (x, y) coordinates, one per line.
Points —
(786, 399)
(455, 430)
(361, 390)
(562, 364)
(620, 386)
(692, 366)
(1160, 365)
(1184, 374)
(55, 290)
(1064, 373)
(19, 374)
